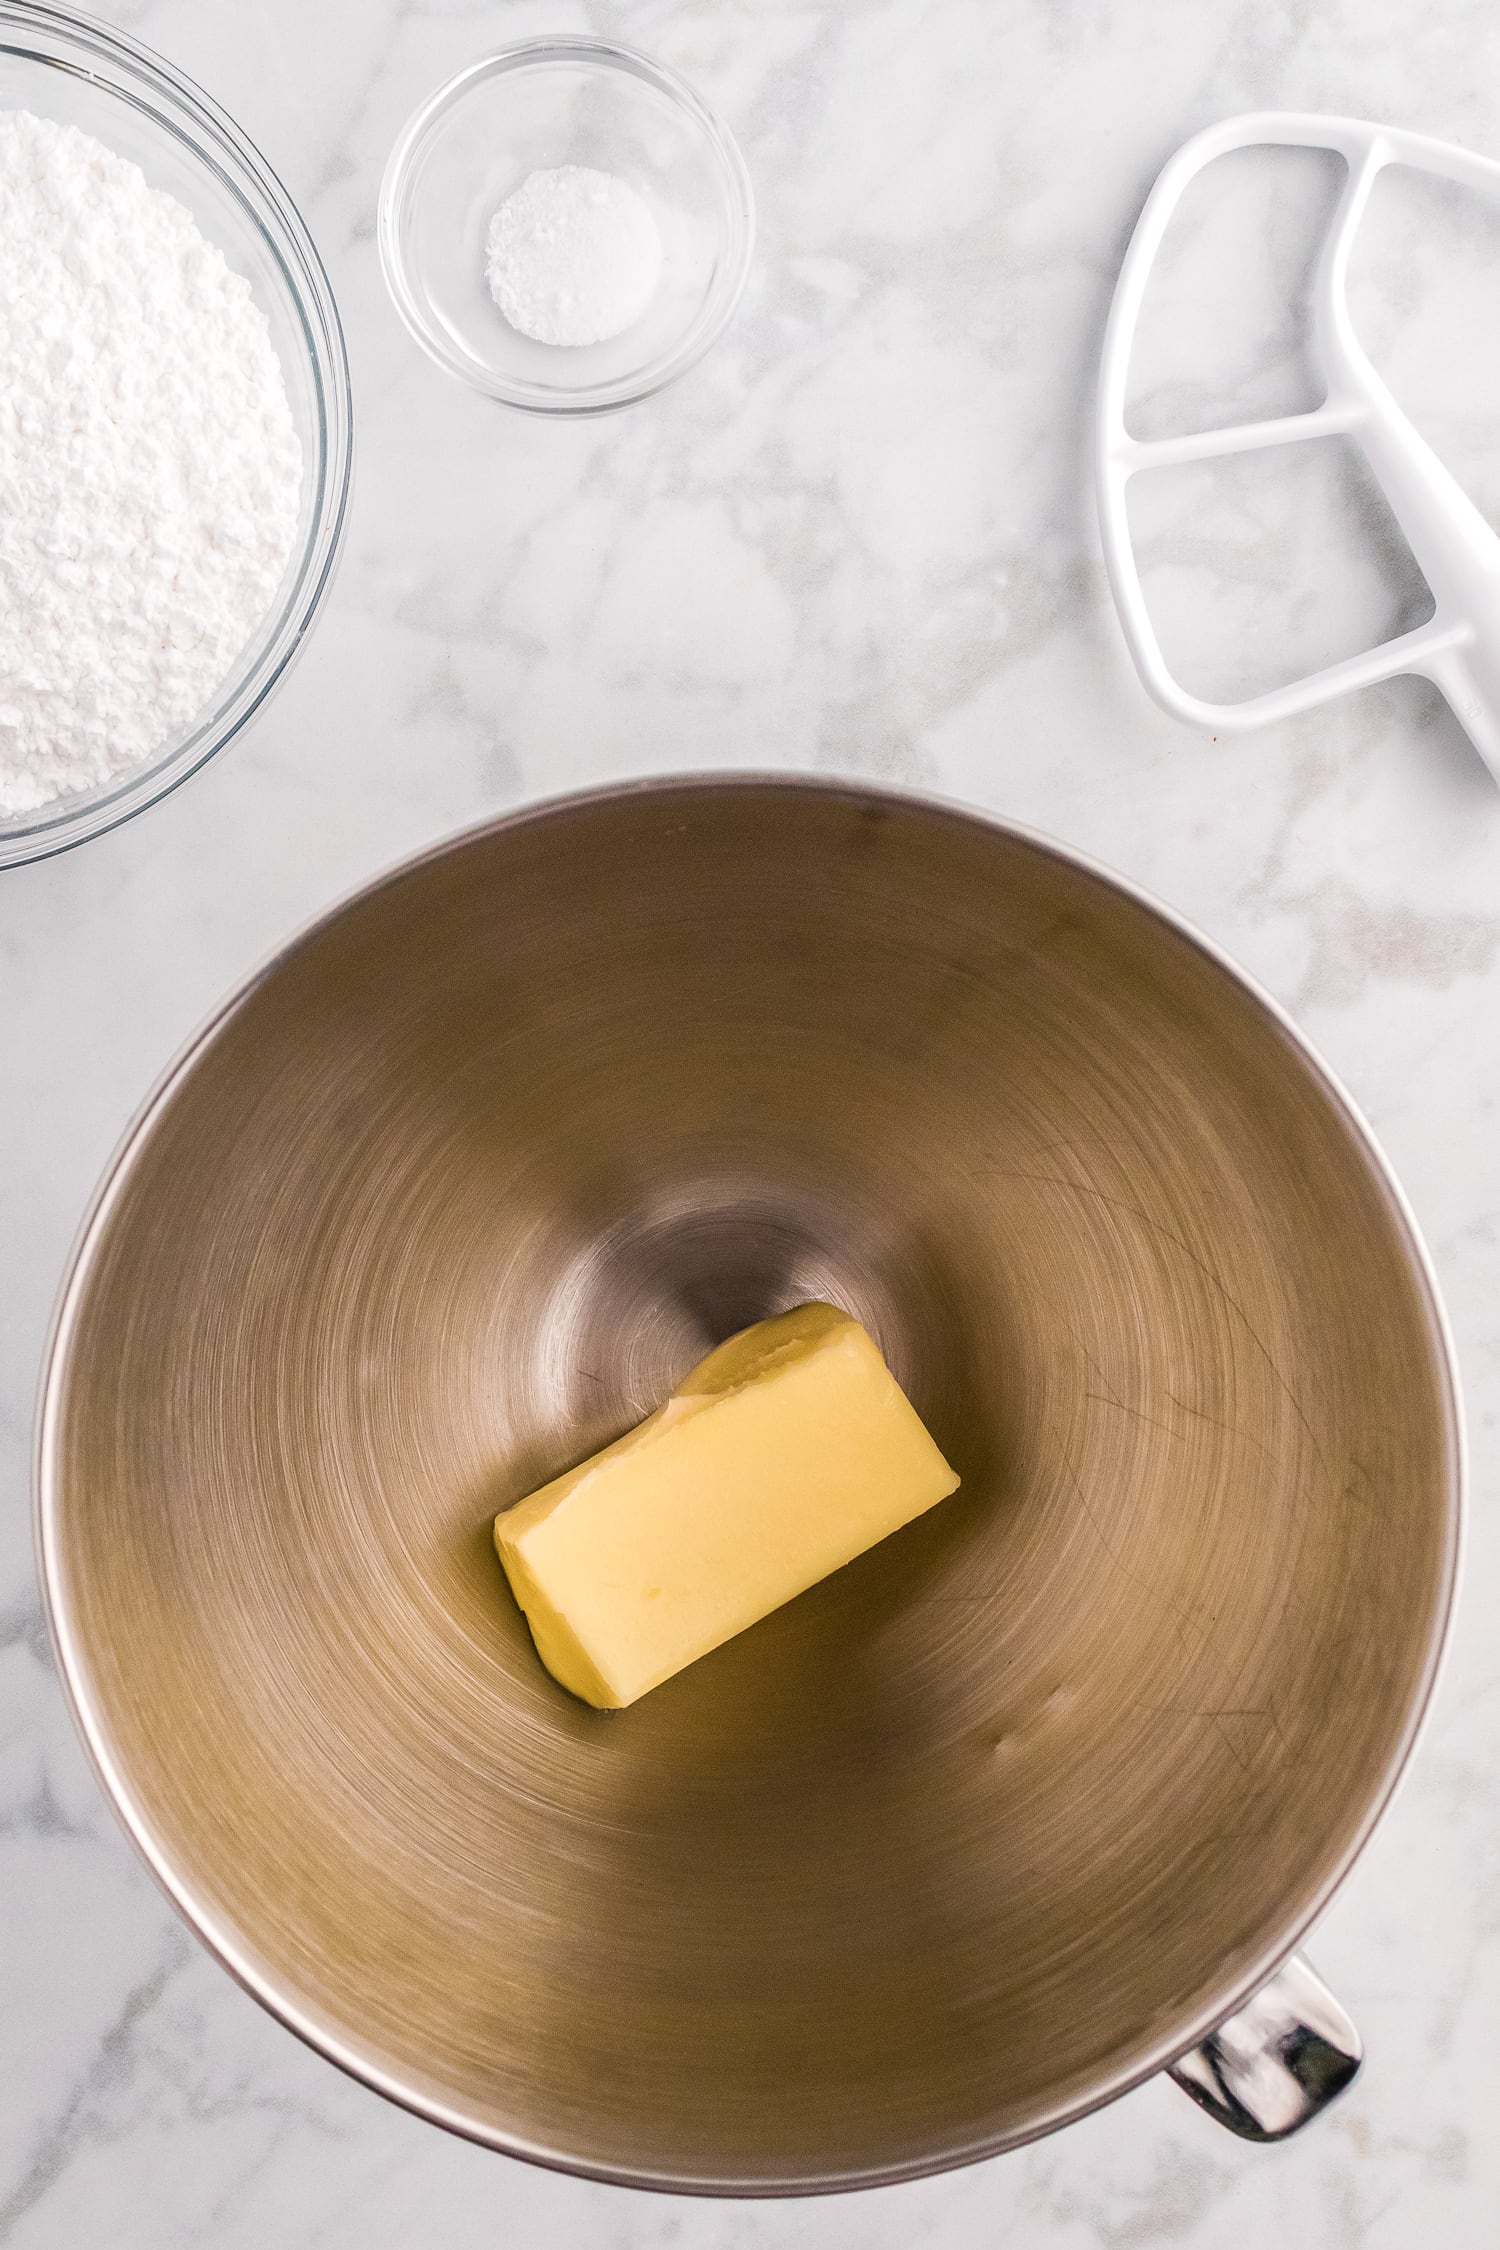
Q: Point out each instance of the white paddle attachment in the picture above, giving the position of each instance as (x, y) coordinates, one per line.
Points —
(1459, 555)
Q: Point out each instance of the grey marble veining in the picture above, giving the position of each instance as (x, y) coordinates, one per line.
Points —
(859, 539)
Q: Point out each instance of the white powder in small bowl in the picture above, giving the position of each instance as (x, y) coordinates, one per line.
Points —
(150, 470)
(573, 257)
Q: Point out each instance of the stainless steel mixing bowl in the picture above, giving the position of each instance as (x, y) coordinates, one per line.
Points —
(981, 1830)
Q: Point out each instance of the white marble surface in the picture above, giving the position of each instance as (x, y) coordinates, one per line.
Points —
(858, 540)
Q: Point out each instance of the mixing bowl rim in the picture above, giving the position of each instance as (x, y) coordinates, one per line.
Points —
(86, 1707)
(217, 145)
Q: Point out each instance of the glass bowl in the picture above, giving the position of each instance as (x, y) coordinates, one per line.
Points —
(66, 66)
(533, 107)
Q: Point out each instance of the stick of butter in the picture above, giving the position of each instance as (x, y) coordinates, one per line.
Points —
(782, 1456)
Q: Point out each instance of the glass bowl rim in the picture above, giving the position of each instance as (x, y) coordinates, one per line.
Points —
(611, 55)
(33, 30)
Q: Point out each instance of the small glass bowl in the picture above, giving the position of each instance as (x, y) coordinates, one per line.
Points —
(534, 107)
(67, 67)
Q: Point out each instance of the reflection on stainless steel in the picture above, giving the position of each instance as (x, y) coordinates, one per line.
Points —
(976, 1832)
(1277, 2061)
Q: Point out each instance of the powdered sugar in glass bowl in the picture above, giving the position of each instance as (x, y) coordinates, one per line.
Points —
(65, 67)
(539, 107)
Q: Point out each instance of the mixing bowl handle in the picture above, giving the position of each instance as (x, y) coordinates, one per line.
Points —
(1268, 2070)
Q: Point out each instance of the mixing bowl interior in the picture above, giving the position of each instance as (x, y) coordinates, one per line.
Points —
(975, 1832)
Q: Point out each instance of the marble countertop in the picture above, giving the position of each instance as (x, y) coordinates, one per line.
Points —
(858, 540)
